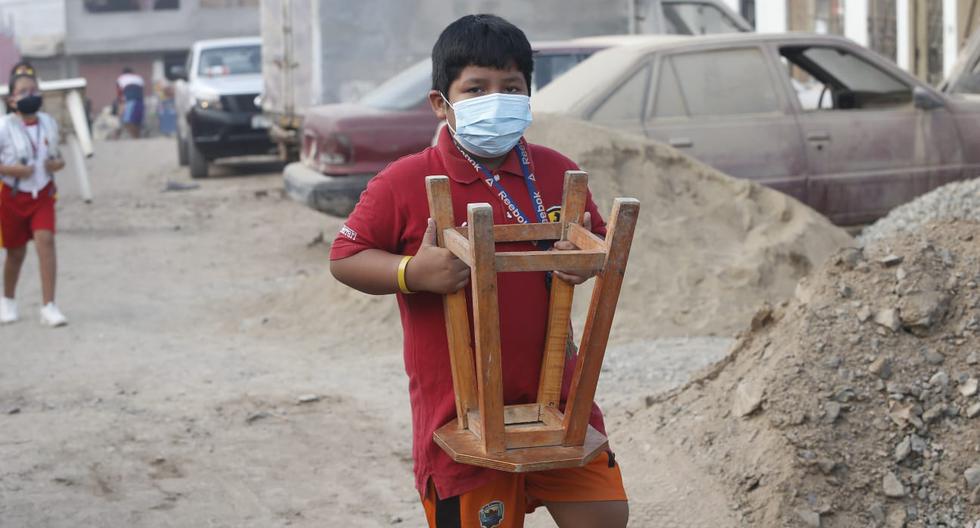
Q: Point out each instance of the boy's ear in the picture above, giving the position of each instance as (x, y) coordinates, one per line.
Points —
(439, 106)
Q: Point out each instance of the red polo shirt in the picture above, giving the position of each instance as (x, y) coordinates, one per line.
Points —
(392, 216)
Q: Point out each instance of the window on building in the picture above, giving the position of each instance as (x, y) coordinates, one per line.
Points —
(229, 3)
(696, 18)
(118, 6)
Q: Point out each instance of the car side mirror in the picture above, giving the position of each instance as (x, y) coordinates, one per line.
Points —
(177, 71)
(924, 99)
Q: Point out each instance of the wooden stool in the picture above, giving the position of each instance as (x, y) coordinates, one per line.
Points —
(536, 436)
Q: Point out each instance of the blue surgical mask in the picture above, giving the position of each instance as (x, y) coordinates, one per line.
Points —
(490, 126)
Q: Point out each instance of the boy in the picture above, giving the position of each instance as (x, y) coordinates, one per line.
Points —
(481, 74)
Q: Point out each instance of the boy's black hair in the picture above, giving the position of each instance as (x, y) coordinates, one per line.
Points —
(479, 40)
(21, 69)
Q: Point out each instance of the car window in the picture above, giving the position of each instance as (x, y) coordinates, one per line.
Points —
(696, 18)
(843, 80)
(549, 66)
(668, 98)
(969, 81)
(403, 91)
(237, 60)
(725, 82)
(626, 103)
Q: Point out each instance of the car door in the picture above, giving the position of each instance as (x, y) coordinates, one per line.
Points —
(723, 107)
(868, 147)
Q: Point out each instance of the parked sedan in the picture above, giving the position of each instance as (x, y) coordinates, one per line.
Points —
(345, 145)
(815, 116)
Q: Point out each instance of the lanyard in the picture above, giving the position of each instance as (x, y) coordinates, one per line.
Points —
(34, 144)
(497, 189)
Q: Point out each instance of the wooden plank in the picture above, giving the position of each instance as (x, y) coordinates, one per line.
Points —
(585, 239)
(558, 331)
(550, 260)
(529, 413)
(486, 323)
(458, 245)
(455, 310)
(552, 416)
(466, 448)
(520, 232)
(538, 436)
(595, 336)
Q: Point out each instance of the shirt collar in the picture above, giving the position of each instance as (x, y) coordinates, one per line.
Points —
(462, 171)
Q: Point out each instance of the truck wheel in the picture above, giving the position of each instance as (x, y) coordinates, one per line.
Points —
(198, 163)
(181, 150)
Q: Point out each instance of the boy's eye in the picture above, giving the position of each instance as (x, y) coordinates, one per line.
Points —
(474, 89)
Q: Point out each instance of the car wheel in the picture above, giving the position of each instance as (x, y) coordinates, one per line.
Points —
(197, 162)
(181, 150)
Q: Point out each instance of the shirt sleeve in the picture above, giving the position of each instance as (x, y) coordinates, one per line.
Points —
(8, 151)
(375, 223)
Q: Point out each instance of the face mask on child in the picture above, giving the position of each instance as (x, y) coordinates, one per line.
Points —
(29, 104)
(490, 126)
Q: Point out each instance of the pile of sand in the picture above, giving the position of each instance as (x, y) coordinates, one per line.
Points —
(709, 248)
(855, 404)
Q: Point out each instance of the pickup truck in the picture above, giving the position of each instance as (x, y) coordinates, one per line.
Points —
(217, 98)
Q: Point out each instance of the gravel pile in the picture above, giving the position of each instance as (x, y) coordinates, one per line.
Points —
(857, 404)
(957, 200)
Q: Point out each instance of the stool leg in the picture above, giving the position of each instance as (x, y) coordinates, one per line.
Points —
(595, 336)
(560, 305)
(486, 323)
(455, 310)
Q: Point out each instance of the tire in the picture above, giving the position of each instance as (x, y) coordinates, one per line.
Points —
(182, 149)
(197, 162)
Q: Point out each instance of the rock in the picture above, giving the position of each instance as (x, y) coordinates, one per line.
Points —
(903, 449)
(877, 512)
(897, 518)
(920, 311)
(256, 416)
(881, 367)
(748, 399)
(973, 358)
(15, 410)
(809, 518)
(969, 387)
(933, 357)
(890, 260)
(972, 476)
(849, 257)
(762, 317)
(900, 274)
(939, 379)
(973, 410)
(308, 398)
(918, 443)
(864, 313)
(889, 319)
(934, 413)
(833, 411)
(892, 486)
(975, 499)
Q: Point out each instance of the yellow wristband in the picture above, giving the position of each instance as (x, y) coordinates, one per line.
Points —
(402, 285)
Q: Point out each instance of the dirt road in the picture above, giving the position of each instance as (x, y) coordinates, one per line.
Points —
(199, 319)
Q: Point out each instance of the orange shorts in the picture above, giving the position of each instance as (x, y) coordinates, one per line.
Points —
(503, 502)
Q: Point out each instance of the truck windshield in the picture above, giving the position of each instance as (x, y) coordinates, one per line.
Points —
(403, 91)
(237, 60)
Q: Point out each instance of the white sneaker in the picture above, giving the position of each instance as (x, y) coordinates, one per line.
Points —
(8, 310)
(52, 316)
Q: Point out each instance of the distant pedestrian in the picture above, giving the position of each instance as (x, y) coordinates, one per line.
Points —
(29, 157)
(129, 92)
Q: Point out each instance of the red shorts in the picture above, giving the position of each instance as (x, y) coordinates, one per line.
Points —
(21, 215)
(504, 501)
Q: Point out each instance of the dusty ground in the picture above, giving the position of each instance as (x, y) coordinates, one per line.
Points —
(198, 319)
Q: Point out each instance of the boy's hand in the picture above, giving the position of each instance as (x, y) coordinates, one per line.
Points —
(19, 171)
(53, 165)
(574, 277)
(435, 269)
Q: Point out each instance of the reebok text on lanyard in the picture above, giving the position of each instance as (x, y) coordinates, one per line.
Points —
(504, 196)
